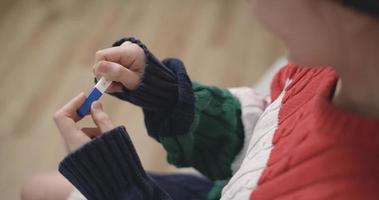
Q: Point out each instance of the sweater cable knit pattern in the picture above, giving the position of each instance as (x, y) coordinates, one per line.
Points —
(317, 151)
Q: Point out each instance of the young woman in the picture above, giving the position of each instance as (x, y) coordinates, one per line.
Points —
(317, 138)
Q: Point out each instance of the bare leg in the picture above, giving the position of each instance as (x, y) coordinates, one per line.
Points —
(46, 186)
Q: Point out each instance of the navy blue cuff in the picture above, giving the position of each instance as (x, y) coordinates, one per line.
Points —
(108, 167)
(179, 119)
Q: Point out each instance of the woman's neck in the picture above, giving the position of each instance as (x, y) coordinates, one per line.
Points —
(358, 88)
(360, 101)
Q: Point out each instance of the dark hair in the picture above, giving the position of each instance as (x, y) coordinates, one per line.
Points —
(368, 6)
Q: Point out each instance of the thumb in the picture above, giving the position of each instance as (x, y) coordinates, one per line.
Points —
(100, 118)
(116, 72)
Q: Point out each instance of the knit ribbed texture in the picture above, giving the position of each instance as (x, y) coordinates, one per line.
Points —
(108, 168)
(216, 136)
(320, 152)
(165, 94)
(178, 120)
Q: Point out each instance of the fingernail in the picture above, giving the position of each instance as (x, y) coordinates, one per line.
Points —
(96, 106)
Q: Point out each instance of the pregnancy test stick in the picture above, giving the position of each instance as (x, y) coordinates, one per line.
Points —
(96, 92)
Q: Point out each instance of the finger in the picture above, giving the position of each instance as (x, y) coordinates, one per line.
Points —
(91, 131)
(69, 110)
(126, 54)
(65, 125)
(97, 76)
(114, 87)
(116, 72)
(66, 117)
(65, 120)
(137, 55)
(100, 118)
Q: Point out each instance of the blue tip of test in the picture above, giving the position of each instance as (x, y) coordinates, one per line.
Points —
(85, 108)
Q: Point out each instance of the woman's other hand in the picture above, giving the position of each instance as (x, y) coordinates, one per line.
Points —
(74, 136)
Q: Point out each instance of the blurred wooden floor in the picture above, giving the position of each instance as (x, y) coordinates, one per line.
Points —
(46, 55)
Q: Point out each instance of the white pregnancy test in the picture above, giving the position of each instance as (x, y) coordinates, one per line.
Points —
(96, 92)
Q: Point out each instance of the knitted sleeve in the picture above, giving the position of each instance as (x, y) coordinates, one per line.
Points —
(165, 94)
(215, 138)
(108, 168)
(199, 126)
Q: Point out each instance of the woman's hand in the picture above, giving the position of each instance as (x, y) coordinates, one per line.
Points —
(124, 65)
(73, 136)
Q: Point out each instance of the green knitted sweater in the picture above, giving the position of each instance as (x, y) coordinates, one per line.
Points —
(215, 138)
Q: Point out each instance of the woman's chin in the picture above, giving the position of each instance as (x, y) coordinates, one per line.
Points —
(305, 61)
